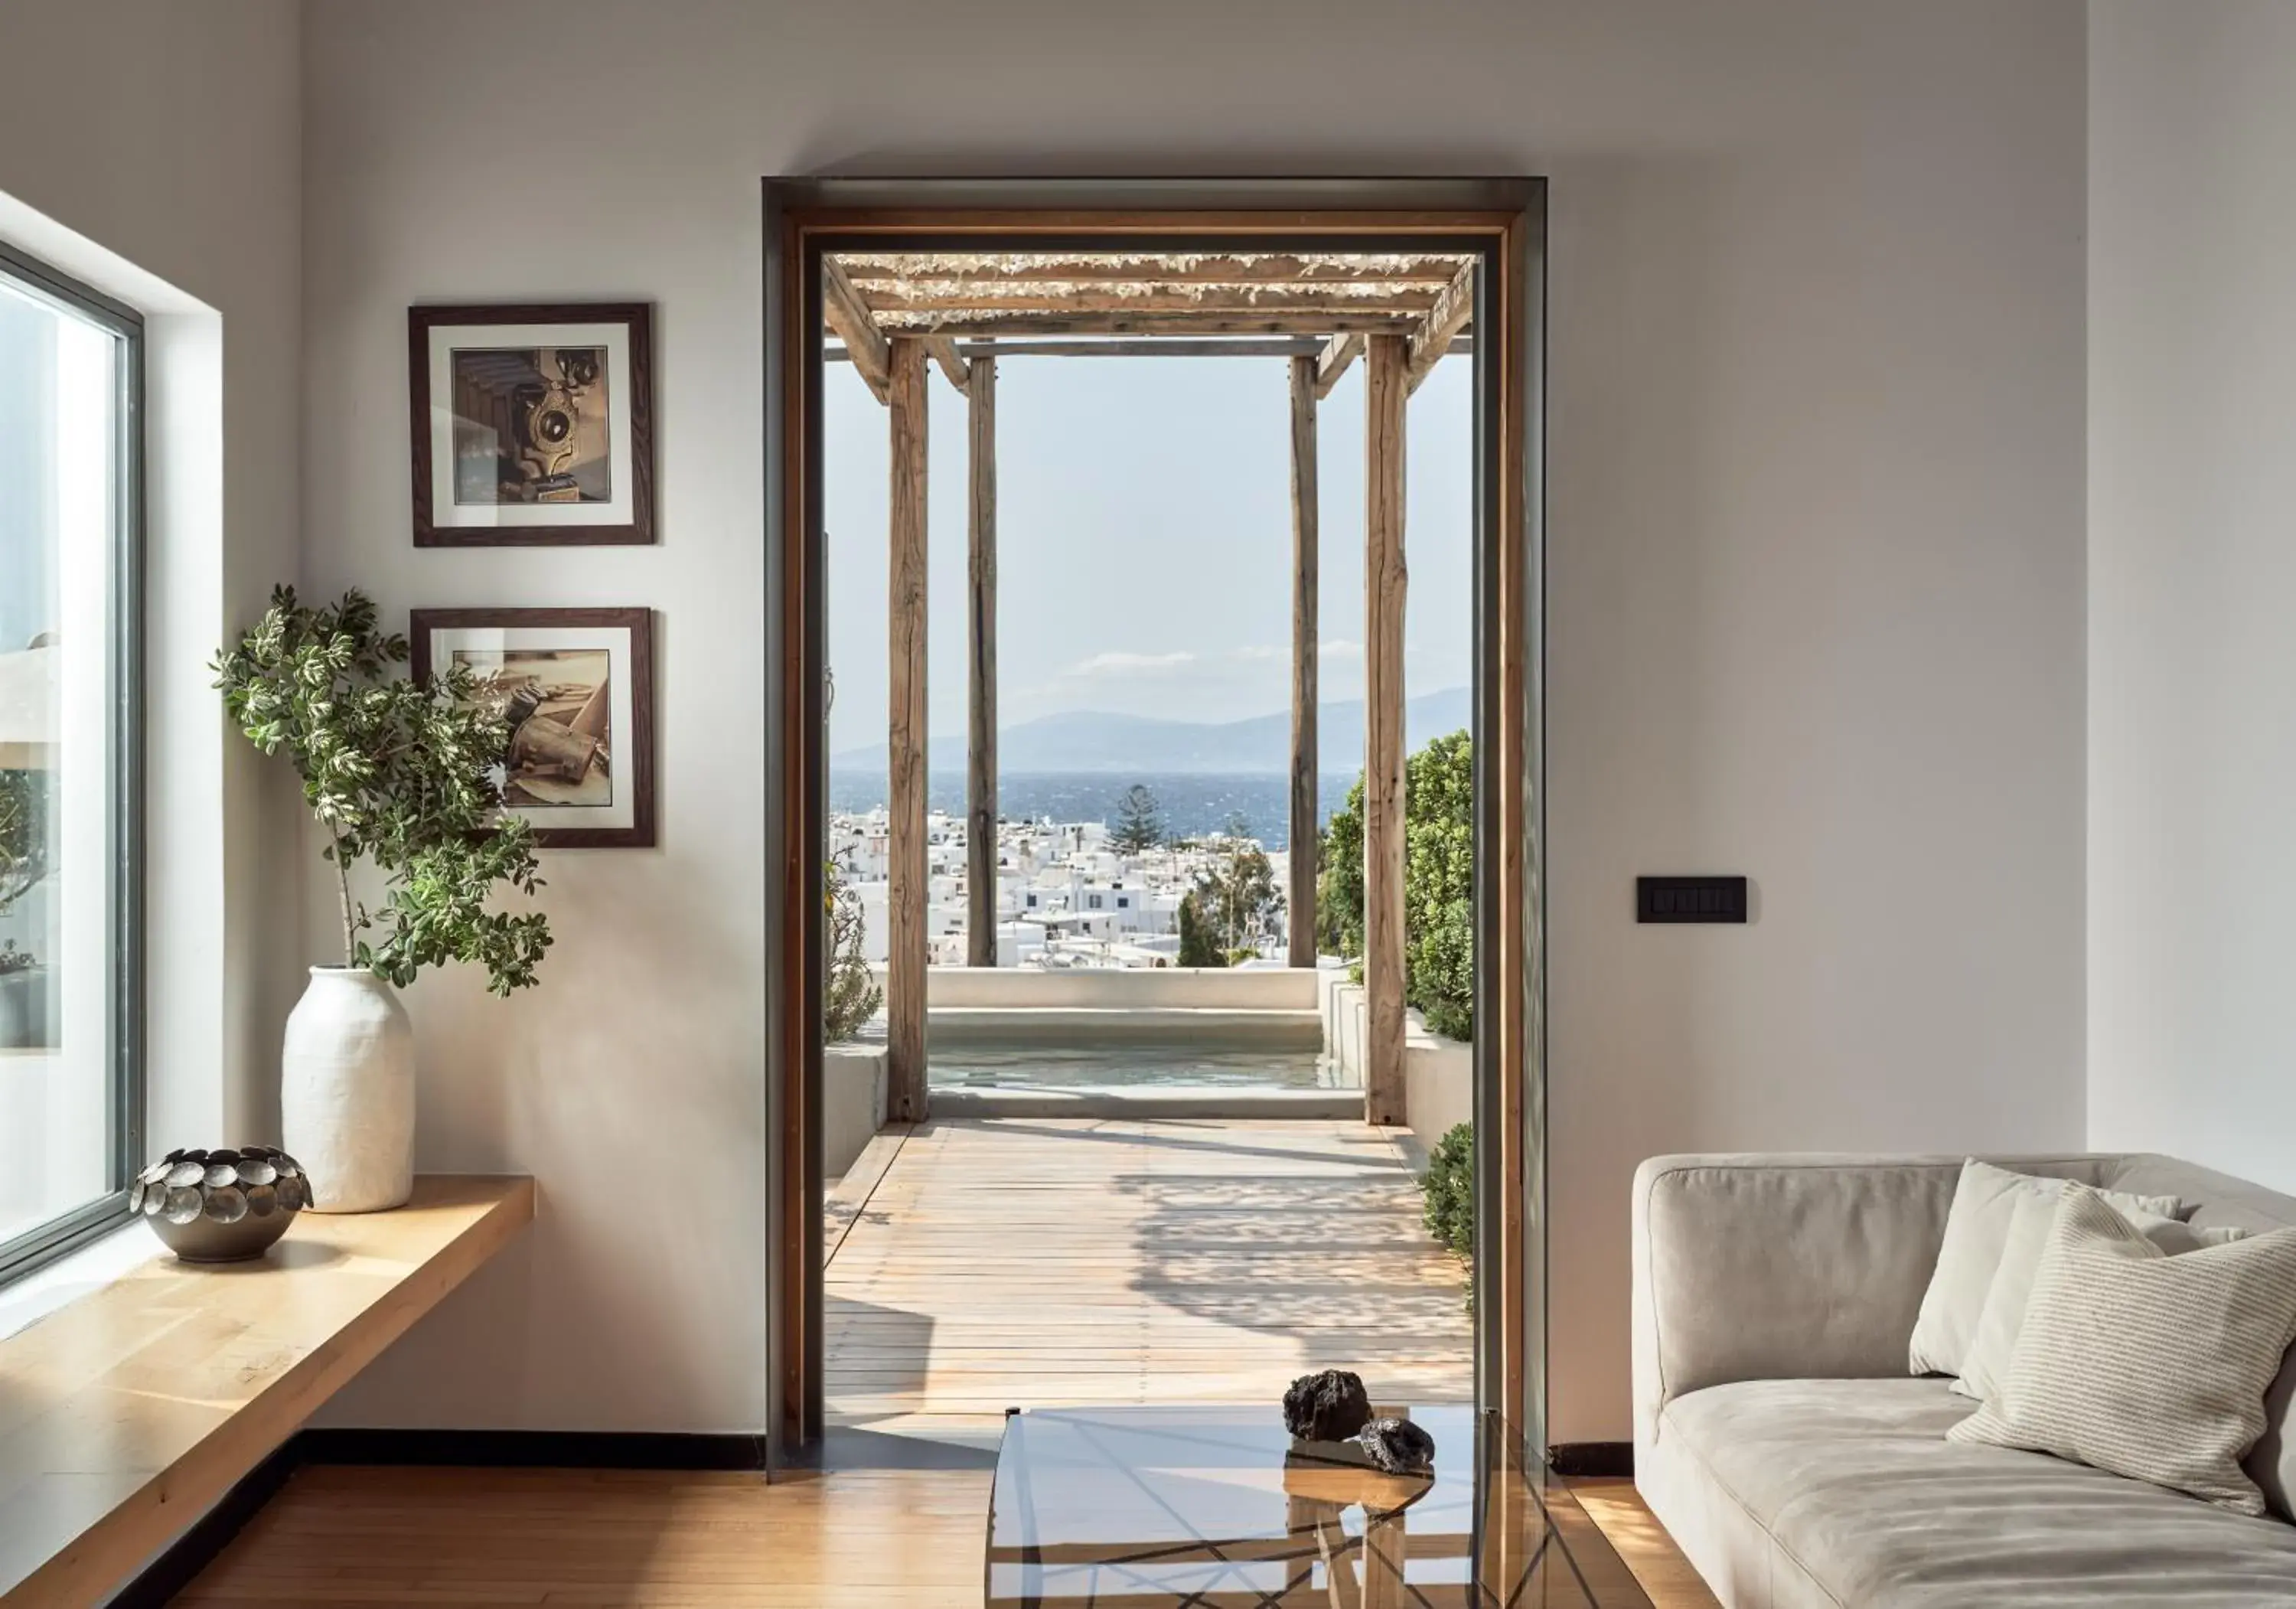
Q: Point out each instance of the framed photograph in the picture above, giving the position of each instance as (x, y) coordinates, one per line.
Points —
(532, 425)
(577, 688)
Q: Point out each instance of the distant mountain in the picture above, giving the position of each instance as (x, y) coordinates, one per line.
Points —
(1089, 741)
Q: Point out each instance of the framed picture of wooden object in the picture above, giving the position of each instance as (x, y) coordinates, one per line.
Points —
(532, 425)
(576, 686)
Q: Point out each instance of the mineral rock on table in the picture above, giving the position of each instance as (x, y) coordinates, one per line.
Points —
(1327, 1407)
(1396, 1446)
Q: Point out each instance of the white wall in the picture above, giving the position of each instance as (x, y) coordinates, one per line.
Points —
(2192, 476)
(154, 149)
(1816, 582)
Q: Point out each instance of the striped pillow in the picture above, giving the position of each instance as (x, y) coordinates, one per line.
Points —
(2147, 1364)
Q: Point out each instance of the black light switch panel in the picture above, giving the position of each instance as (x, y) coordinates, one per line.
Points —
(1690, 899)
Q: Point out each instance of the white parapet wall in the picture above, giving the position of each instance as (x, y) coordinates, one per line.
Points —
(852, 1101)
(1119, 988)
(1439, 1074)
(1266, 1008)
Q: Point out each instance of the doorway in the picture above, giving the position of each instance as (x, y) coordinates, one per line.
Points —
(1494, 227)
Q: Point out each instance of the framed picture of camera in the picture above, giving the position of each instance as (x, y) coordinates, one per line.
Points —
(532, 425)
(576, 687)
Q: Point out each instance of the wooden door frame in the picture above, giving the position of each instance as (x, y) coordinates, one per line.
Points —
(1505, 220)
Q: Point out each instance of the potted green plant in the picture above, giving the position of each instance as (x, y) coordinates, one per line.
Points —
(401, 774)
(23, 863)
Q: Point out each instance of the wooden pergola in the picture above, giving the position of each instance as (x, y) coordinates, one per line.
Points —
(959, 312)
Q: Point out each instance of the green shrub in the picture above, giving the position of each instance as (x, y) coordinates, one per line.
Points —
(1338, 880)
(1450, 1190)
(1439, 883)
(1438, 886)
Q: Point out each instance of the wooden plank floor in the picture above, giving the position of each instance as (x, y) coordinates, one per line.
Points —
(977, 1266)
(479, 1539)
(1040, 1263)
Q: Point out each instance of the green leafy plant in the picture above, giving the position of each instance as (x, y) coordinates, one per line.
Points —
(1449, 1188)
(1439, 883)
(853, 995)
(399, 774)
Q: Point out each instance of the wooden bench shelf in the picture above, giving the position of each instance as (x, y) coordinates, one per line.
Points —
(125, 1414)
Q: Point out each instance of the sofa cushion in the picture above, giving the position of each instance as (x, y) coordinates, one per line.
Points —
(1977, 1231)
(2234, 1203)
(1854, 1482)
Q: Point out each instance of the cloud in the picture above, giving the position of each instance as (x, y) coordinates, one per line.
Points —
(1119, 662)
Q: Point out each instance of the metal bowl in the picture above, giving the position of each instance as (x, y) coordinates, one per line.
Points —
(220, 1206)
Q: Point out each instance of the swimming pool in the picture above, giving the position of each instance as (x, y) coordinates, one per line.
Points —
(1129, 1066)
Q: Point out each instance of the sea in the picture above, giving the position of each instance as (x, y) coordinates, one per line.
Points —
(1191, 804)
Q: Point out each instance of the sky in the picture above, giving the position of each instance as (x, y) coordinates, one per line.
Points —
(1145, 540)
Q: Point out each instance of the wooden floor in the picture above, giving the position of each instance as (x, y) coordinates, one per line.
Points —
(479, 1539)
(1042, 1263)
(972, 1266)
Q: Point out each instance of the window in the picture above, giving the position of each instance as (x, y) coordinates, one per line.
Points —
(70, 928)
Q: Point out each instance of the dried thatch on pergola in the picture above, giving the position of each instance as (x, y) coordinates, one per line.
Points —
(1400, 312)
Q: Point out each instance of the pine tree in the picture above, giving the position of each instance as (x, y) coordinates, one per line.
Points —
(1139, 823)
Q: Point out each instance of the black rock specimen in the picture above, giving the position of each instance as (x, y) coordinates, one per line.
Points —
(1397, 1446)
(1328, 1406)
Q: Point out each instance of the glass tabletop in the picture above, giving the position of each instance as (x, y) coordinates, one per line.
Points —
(1144, 1507)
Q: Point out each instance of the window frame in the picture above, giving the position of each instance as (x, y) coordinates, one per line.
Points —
(35, 1248)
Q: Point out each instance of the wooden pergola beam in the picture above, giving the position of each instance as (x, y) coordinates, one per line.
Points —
(1305, 824)
(1434, 271)
(864, 343)
(939, 296)
(1449, 316)
(981, 322)
(906, 946)
(1149, 346)
(981, 695)
(1337, 353)
(948, 360)
(1386, 387)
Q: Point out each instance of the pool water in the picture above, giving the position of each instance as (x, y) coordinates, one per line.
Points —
(1128, 1066)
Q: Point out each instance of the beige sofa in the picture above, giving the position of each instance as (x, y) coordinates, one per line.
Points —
(1779, 1438)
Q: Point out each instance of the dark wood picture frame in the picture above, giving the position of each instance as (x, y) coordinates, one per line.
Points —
(632, 756)
(637, 318)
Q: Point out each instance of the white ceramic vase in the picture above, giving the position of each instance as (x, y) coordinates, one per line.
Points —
(346, 1091)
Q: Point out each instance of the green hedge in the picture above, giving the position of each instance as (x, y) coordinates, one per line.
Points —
(1439, 883)
(1450, 1189)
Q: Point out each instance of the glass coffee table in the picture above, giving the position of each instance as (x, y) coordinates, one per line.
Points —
(1157, 1507)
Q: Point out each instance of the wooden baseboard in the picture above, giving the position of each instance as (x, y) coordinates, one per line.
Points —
(180, 1565)
(1573, 1460)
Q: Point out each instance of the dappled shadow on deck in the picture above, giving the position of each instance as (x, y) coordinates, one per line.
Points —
(1044, 1262)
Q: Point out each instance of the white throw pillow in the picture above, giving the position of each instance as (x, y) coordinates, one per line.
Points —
(2147, 1364)
(1976, 1231)
(1986, 1365)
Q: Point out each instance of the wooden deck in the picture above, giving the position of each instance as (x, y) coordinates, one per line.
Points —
(1037, 1263)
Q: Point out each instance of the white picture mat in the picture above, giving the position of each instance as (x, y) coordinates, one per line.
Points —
(622, 736)
(446, 341)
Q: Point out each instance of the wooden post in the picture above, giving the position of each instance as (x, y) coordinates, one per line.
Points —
(980, 704)
(1386, 385)
(1304, 537)
(904, 985)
